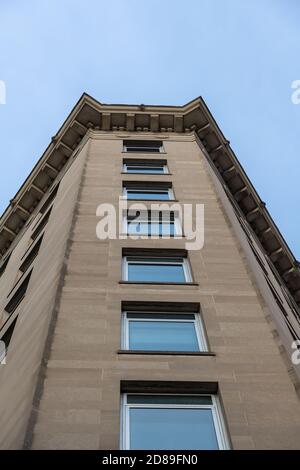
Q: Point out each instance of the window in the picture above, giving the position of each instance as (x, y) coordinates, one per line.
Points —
(4, 265)
(41, 225)
(5, 340)
(46, 212)
(18, 295)
(150, 191)
(145, 166)
(143, 146)
(31, 256)
(49, 200)
(149, 223)
(163, 269)
(173, 422)
(163, 331)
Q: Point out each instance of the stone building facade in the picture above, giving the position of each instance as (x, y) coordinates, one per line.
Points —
(76, 374)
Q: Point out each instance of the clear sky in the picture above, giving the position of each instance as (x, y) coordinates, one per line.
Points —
(240, 55)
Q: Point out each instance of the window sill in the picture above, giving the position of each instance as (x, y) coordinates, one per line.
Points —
(167, 353)
(161, 283)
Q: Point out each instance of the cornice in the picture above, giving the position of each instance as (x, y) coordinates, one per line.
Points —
(193, 117)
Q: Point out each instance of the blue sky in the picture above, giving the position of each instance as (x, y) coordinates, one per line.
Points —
(240, 55)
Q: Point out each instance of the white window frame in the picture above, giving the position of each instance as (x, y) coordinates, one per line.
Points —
(168, 191)
(148, 167)
(197, 321)
(144, 218)
(215, 408)
(141, 149)
(164, 260)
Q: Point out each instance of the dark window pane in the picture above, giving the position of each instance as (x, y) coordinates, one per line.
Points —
(131, 169)
(155, 272)
(143, 149)
(31, 256)
(169, 399)
(174, 429)
(18, 295)
(142, 145)
(49, 200)
(177, 260)
(163, 316)
(162, 336)
(41, 225)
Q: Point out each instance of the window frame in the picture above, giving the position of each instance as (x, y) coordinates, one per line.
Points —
(217, 416)
(4, 264)
(145, 189)
(142, 149)
(147, 217)
(24, 280)
(40, 224)
(31, 254)
(197, 321)
(164, 260)
(148, 166)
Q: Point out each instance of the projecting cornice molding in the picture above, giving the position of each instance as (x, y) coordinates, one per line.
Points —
(192, 117)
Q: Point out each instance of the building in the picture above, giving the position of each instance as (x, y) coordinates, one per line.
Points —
(84, 366)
